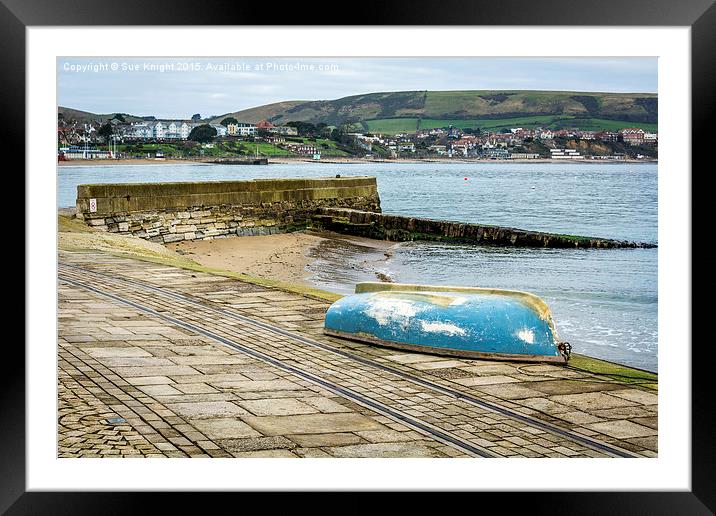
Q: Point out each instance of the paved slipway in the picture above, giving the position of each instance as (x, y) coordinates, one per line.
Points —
(160, 361)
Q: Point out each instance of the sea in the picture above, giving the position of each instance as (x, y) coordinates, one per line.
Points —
(603, 301)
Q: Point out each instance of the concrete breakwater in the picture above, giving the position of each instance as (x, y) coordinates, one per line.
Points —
(171, 212)
(401, 229)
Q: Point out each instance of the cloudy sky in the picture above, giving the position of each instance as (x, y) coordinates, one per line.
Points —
(180, 87)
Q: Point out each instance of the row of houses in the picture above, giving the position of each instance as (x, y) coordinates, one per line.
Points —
(461, 151)
(283, 130)
(629, 135)
(302, 148)
(517, 135)
(159, 130)
(462, 144)
(565, 154)
(181, 129)
(500, 153)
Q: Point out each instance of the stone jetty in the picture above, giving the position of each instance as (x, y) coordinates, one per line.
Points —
(172, 212)
(401, 229)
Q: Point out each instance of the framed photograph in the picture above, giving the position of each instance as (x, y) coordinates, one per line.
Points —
(462, 235)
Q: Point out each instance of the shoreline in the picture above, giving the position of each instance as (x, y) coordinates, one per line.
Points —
(151, 329)
(75, 235)
(113, 162)
(347, 161)
(284, 257)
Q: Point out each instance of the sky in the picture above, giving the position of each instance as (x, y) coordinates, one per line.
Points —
(181, 87)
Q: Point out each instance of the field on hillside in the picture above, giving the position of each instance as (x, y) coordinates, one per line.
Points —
(410, 125)
(596, 124)
(392, 125)
(488, 124)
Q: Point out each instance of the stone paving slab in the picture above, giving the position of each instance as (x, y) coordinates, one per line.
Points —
(277, 407)
(180, 426)
(312, 424)
(224, 428)
(396, 450)
(156, 397)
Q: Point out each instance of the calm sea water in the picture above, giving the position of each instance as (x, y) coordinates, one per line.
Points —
(604, 302)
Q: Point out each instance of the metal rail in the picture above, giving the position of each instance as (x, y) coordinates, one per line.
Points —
(583, 440)
(381, 408)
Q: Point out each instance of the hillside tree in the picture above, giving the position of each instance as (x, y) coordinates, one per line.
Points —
(105, 131)
(202, 134)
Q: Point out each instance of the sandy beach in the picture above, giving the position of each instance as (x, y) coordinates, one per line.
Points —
(334, 160)
(140, 161)
(283, 257)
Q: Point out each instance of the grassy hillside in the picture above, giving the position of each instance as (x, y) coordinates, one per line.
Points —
(256, 114)
(407, 125)
(391, 112)
(401, 111)
(399, 104)
(75, 115)
(634, 107)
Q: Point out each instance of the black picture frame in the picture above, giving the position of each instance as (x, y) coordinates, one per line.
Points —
(699, 15)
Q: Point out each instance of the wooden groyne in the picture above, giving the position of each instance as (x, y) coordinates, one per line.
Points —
(398, 228)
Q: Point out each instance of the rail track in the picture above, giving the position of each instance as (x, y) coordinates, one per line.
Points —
(197, 315)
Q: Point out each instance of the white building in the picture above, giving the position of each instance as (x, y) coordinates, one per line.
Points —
(178, 130)
(565, 154)
(363, 137)
(141, 131)
(220, 130)
(158, 129)
(459, 149)
(524, 155)
(241, 129)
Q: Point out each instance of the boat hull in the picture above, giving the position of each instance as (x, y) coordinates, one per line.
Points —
(452, 321)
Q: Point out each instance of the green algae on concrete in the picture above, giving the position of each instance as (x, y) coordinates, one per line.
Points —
(399, 228)
(76, 236)
(618, 372)
(68, 224)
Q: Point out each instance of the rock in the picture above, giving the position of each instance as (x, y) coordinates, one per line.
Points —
(172, 238)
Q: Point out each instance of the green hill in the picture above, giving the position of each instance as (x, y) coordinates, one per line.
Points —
(489, 109)
(409, 111)
(256, 114)
(75, 115)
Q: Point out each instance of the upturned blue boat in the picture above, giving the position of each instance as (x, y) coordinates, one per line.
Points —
(456, 321)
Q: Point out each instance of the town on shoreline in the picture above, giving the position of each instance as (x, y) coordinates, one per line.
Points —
(288, 160)
(161, 140)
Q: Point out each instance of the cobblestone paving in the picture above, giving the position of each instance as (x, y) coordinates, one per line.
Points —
(184, 394)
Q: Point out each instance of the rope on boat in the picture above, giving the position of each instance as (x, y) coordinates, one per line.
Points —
(565, 348)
